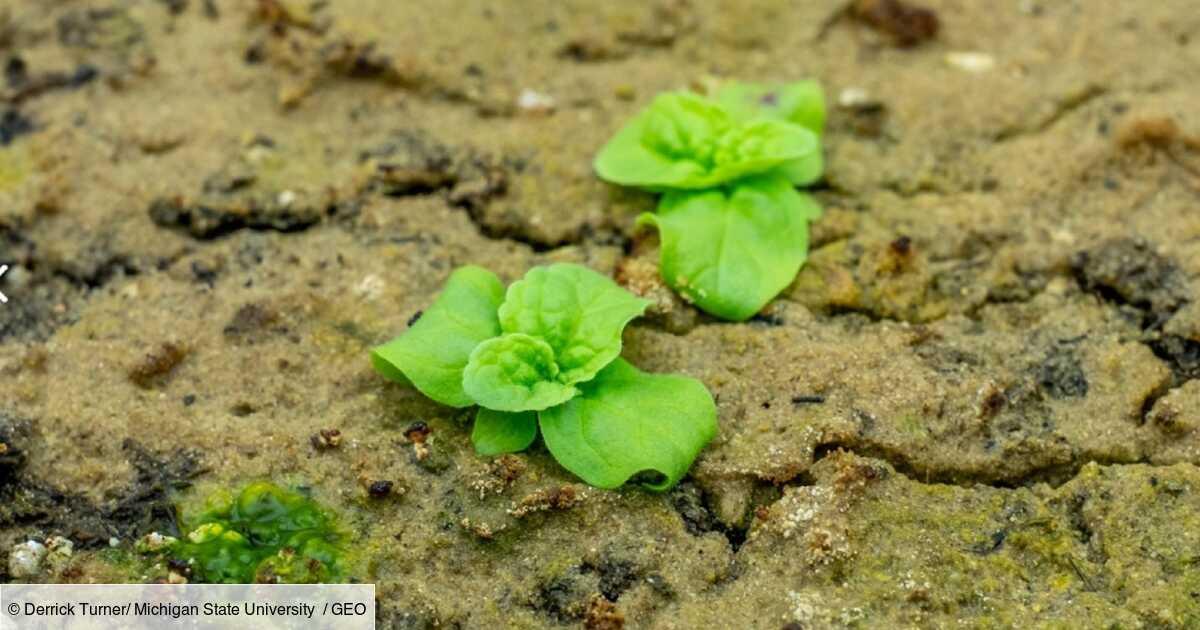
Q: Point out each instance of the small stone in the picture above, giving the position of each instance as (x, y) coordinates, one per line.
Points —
(326, 439)
(60, 550)
(853, 97)
(25, 559)
(417, 432)
(535, 102)
(155, 541)
(114, 542)
(973, 62)
(59, 545)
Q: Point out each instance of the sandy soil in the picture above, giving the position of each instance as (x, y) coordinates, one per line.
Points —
(975, 407)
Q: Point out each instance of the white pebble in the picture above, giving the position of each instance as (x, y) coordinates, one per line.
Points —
(114, 542)
(974, 62)
(25, 559)
(155, 541)
(535, 102)
(853, 97)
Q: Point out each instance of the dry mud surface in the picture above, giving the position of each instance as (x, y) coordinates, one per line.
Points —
(975, 407)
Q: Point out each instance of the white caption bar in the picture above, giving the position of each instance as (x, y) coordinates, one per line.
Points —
(203, 606)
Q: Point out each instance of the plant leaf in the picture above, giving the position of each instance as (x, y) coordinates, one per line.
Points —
(433, 352)
(515, 372)
(575, 310)
(627, 422)
(731, 250)
(801, 102)
(686, 141)
(499, 432)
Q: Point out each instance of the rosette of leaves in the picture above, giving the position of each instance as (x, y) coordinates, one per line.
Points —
(734, 229)
(545, 354)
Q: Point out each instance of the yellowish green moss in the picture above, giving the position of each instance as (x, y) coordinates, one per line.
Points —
(264, 534)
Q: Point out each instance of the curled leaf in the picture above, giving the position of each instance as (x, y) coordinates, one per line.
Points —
(434, 351)
(801, 103)
(514, 372)
(626, 422)
(685, 141)
(730, 251)
(575, 310)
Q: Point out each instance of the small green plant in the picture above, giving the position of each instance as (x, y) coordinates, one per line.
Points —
(265, 534)
(545, 353)
(734, 229)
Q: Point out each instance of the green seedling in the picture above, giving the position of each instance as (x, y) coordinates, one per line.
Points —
(733, 227)
(546, 354)
(265, 534)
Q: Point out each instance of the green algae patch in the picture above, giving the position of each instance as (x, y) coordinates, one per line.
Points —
(264, 534)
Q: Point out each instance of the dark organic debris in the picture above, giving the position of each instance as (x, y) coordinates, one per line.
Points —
(14, 124)
(380, 489)
(1181, 353)
(1127, 271)
(207, 221)
(413, 163)
(156, 367)
(175, 6)
(692, 504)
(1062, 376)
(252, 321)
(326, 439)
(139, 508)
(22, 85)
(12, 455)
(243, 409)
(616, 576)
(417, 432)
(907, 25)
(562, 599)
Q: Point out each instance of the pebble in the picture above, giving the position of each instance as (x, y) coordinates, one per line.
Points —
(852, 97)
(535, 102)
(59, 551)
(155, 541)
(974, 62)
(25, 559)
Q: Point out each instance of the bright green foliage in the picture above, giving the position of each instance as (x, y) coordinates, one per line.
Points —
(628, 422)
(685, 141)
(434, 352)
(557, 334)
(264, 534)
(579, 312)
(515, 372)
(755, 237)
(499, 432)
(802, 102)
(734, 231)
